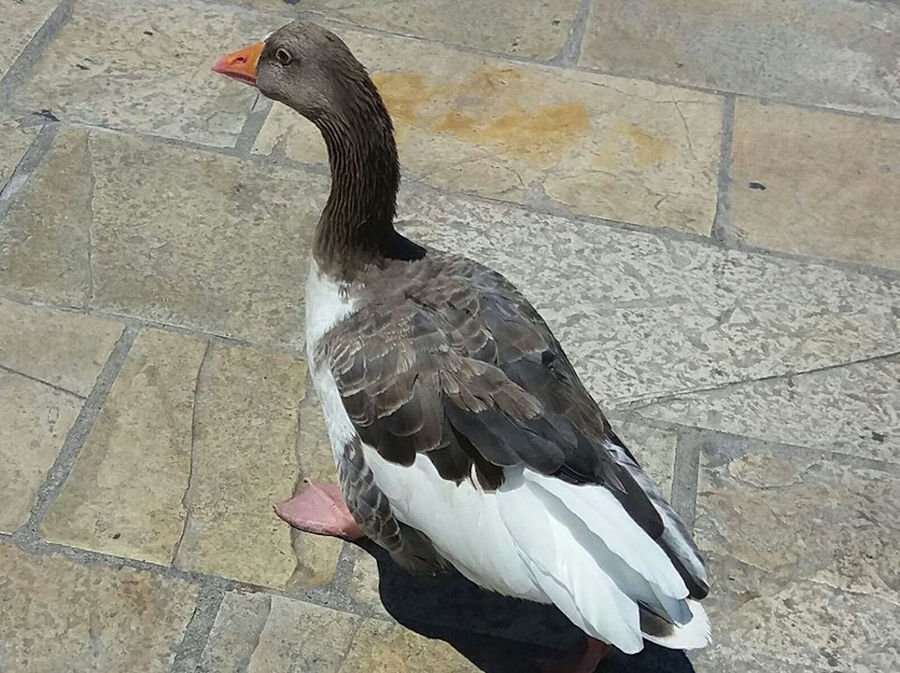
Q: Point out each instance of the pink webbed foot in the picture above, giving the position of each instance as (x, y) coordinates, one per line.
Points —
(320, 509)
(581, 660)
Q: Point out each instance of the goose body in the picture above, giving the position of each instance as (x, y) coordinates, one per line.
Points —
(461, 433)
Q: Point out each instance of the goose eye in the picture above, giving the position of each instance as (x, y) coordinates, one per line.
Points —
(283, 56)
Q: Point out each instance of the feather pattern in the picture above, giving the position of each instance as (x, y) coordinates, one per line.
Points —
(477, 434)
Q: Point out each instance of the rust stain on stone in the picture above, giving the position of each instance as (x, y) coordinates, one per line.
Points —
(403, 93)
(468, 110)
(649, 149)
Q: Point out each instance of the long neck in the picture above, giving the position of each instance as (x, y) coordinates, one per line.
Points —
(357, 224)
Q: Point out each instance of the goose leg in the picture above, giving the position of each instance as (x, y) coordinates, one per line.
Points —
(320, 509)
(579, 661)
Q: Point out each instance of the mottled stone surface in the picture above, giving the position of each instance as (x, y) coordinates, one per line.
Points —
(210, 242)
(146, 67)
(833, 53)
(364, 584)
(850, 409)
(45, 237)
(19, 21)
(538, 29)
(816, 183)
(243, 461)
(807, 542)
(34, 421)
(380, 647)
(643, 317)
(124, 495)
(65, 349)
(621, 149)
(14, 141)
(58, 615)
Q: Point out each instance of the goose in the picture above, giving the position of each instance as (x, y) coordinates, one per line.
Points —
(461, 433)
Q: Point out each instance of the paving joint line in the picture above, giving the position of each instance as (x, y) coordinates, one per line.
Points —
(199, 627)
(721, 221)
(253, 124)
(78, 433)
(33, 51)
(16, 372)
(649, 400)
(571, 51)
(27, 166)
(686, 475)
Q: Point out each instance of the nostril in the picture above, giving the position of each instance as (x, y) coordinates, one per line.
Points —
(240, 59)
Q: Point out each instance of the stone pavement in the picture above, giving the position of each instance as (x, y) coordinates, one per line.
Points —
(701, 197)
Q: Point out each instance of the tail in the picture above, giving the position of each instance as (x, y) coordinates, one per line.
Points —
(598, 566)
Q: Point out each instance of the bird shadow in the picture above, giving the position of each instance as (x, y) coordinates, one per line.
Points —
(496, 633)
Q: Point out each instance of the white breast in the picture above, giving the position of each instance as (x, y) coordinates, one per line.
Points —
(327, 303)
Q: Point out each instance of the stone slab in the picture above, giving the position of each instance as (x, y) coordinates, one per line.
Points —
(58, 615)
(382, 647)
(34, 421)
(124, 495)
(831, 53)
(45, 239)
(816, 183)
(538, 29)
(14, 141)
(211, 242)
(243, 462)
(317, 555)
(616, 148)
(19, 21)
(805, 541)
(643, 317)
(146, 67)
(65, 349)
(850, 409)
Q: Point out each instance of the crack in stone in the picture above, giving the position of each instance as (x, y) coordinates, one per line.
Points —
(16, 372)
(185, 498)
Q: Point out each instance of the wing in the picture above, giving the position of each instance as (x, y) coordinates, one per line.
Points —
(448, 359)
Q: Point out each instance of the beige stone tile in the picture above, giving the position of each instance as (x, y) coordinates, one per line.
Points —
(655, 316)
(209, 242)
(850, 409)
(62, 348)
(235, 633)
(14, 141)
(19, 21)
(816, 183)
(146, 67)
(615, 148)
(537, 29)
(45, 239)
(303, 637)
(317, 555)
(34, 421)
(806, 541)
(243, 462)
(821, 52)
(124, 495)
(57, 615)
(382, 647)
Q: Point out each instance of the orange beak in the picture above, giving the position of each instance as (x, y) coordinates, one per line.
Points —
(241, 64)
